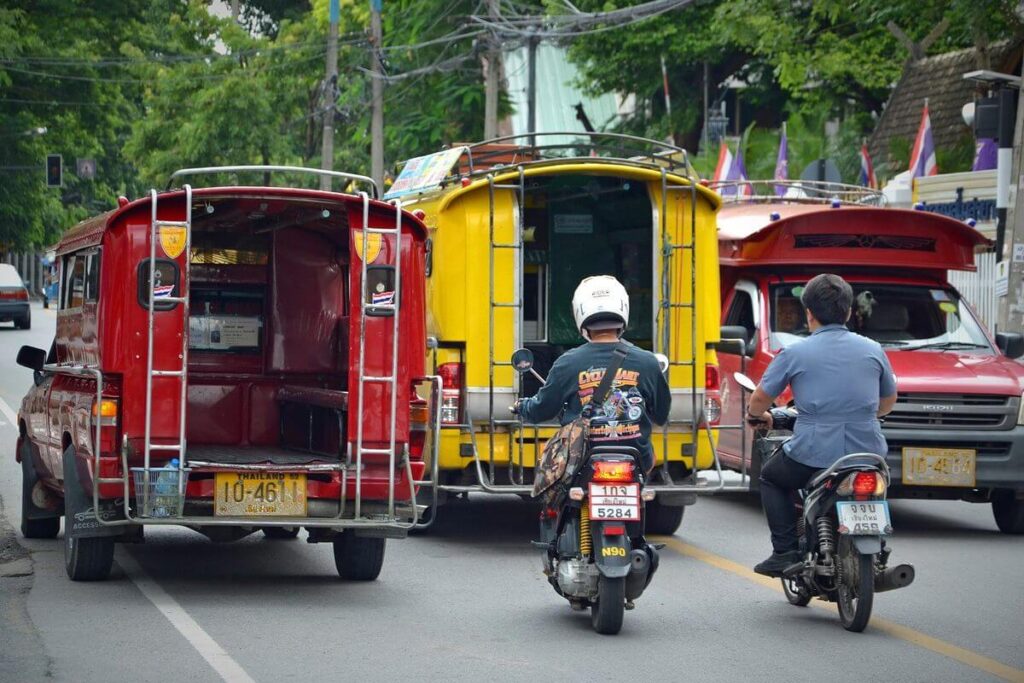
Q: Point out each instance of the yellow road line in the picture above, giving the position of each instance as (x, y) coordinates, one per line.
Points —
(962, 655)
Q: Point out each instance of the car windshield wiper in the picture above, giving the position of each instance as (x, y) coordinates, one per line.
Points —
(946, 345)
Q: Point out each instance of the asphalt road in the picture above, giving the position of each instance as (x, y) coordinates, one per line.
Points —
(468, 602)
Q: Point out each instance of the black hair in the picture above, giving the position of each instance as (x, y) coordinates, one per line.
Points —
(829, 297)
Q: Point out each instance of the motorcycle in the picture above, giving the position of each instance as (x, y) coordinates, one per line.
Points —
(842, 523)
(591, 530)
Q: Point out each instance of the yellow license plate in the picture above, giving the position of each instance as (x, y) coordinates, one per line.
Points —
(939, 466)
(259, 494)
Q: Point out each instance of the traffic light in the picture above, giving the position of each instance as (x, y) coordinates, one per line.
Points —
(54, 170)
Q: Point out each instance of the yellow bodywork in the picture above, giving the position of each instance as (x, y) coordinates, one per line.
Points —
(458, 298)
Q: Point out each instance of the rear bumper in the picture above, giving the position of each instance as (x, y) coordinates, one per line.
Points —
(9, 310)
(1000, 458)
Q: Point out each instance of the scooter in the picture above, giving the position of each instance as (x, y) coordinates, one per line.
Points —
(848, 499)
(592, 527)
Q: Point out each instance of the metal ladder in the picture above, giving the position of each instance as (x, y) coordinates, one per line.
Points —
(181, 373)
(390, 380)
(670, 252)
(516, 469)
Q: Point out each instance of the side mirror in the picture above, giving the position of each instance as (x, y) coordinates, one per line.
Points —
(662, 362)
(522, 360)
(734, 339)
(1010, 343)
(32, 358)
(744, 381)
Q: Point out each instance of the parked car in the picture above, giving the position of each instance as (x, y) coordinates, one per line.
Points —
(14, 298)
(957, 431)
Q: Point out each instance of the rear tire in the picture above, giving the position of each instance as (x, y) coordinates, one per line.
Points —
(24, 323)
(358, 558)
(606, 614)
(1008, 511)
(855, 595)
(280, 533)
(88, 559)
(662, 519)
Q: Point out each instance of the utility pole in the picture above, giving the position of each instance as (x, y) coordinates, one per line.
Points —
(492, 75)
(531, 95)
(1011, 305)
(377, 96)
(330, 98)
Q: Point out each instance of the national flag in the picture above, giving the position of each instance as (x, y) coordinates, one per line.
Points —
(867, 169)
(985, 154)
(724, 164)
(162, 291)
(922, 159)
(383, 298)
(782, 163)
(738, 172)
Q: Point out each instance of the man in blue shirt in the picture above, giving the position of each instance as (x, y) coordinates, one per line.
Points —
(842, 383)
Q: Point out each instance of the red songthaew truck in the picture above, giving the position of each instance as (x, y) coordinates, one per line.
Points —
(232, 359)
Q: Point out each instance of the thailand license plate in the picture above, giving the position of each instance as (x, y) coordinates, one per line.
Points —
(259, 494)
(870, 518)
(615, 501)
(939, 466)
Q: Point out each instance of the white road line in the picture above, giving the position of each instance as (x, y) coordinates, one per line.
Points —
(6, 411)
(226, 667)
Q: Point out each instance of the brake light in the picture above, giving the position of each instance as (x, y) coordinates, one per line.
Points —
(613, 471)
(16, 293)
(614, 530)
(451, 393)
(712, 395)
(864, 483)
(419, 415)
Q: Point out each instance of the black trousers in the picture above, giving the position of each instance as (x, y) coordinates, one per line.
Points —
(780, 478)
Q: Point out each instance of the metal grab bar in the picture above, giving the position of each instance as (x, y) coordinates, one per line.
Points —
(205, 170)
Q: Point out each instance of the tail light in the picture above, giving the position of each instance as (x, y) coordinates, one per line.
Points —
(451, 394)
(14, 293)
(419, 417)
(104, 414)
(712, 395)
(621, 470)
(862, 485)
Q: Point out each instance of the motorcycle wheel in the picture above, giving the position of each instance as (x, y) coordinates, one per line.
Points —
(796, 592)
(606, 613)
(855, 593)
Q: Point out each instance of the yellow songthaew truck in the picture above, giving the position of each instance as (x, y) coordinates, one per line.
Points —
(513, 229)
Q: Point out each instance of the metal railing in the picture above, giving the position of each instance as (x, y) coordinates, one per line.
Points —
(208, 170)
(796, 192)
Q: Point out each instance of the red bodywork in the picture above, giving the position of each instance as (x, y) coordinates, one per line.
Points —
(761, 245)
(305, 282)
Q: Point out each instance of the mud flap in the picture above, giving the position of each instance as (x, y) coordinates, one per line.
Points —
(40, 503)
(867, 545)
(80, 519)
(611, 553)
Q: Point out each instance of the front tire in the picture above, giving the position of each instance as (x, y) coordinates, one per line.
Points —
(1008, 511)
(855, 594)
(606, 614)
(662, 519)
(358, 558)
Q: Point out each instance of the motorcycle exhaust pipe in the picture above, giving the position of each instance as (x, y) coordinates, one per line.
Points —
(639, 568)
(892, 578)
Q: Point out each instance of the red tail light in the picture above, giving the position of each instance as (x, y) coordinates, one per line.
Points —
(451, 394)
(15, 293)
(712, 395)
(613, 471)
(864, 484)
(419, 415)
(615, 530)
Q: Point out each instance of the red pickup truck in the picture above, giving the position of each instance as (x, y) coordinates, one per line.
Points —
(957, 431)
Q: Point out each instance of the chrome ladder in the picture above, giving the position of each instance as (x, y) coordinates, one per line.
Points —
(180, 373)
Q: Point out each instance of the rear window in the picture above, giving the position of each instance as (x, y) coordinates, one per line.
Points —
(9, 276)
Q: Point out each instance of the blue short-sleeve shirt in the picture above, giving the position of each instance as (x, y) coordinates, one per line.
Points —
(837, 378)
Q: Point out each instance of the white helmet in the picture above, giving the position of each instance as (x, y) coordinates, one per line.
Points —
(600, 302)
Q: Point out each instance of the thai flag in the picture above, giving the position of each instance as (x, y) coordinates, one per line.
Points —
(867, 169)
(922, 159)
(162, 291)
(986, 154)
(782, 163)
(738, 172)
(383, 298)
(723, 169)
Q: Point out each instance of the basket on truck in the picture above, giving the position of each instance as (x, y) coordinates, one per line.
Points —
(233, 359)
(515, 223)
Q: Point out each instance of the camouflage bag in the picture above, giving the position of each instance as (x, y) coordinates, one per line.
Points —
(564, 451)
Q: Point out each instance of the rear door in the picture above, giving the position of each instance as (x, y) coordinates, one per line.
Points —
(742, 309)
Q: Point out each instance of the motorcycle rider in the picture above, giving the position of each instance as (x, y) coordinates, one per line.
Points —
(600, 308)
(842, 383)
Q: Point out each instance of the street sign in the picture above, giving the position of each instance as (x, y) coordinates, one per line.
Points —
(54, 170)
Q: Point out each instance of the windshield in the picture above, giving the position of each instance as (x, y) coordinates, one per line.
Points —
(896, 316)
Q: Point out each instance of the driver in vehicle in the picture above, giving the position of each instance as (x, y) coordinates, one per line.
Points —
(842, 383)
(600, 308)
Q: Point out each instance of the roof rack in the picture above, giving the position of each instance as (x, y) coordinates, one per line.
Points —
(795, 192)
(205, 170)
